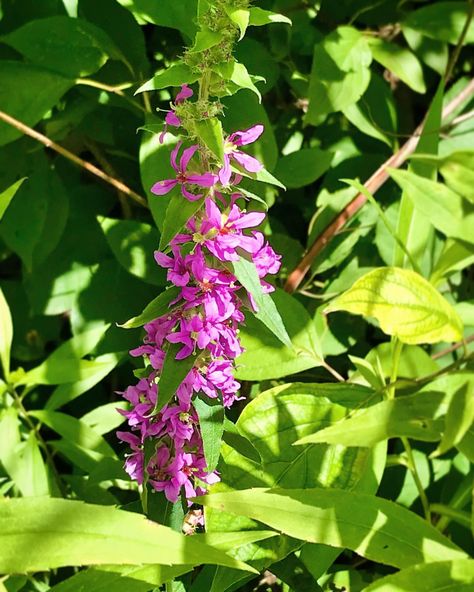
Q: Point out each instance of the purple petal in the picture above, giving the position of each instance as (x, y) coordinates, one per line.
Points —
(250, 164)
(183, 94)
(163, 187)
(187, 155)
(172, 119)
(174, 156)
(206, 180)
(249, 220)
(163, 260)
(213, 213)
(188, 195)
(225, 172)
(247, 136)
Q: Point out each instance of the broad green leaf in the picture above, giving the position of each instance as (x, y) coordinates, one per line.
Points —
(237, 74)
(211, 425)
(240, 17)
(456, 255)
(263, 176)
(172, 375)
(178, 212)
(439, 576)
(60, 532)
(246, 273)
(265, 357)
(133, 244)
(399, 60)
(175, 75)
(303, 167)
(259, 17)
(340, 73)
(74, 430)
(445, 209)
(442, 20)
(6, 335)
(71, 47)
(405, 305)
(412, 229)
(7, 195)
(433, 52)
(80, 345)
(9, 440)
(156, 308)
(459, 418)
(210, 132)
(65, 393)
(373, 527)
(413, 416)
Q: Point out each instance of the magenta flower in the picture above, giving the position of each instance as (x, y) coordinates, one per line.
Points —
(231, 151)
(184, 178)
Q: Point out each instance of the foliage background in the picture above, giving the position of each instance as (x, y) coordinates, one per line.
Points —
(343, 88)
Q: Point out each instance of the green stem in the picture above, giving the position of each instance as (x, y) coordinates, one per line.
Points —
(457, 50)
(397, 347)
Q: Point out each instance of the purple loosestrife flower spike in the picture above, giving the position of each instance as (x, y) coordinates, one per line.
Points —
(184, 178)
(231, 151)
(203, 320)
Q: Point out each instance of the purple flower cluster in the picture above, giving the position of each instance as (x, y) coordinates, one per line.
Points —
(202, 321)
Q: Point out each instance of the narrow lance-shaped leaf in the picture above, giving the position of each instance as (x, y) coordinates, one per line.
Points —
(175, 75)
(60, 532)
(211, 424)
(156, 308)
(259, 17)
(172, 375)
(178, 212)
(373, 527)
(405, 304)
(6, 334)
(439, 576)
(267, 312)
(7, 195)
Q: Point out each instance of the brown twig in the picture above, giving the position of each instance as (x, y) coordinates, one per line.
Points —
(89, 167)
(453, 347)
(372, 185)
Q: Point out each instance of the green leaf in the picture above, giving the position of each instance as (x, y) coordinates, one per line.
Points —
(210, 132)
(6, 335)
(263, 176)
(442, 20)
(405, 305)
(71, 47)
(458, 172)
(445, 209)
(73, 430)
(303, 167)
(413, 416)
(9, 440)
(375, 528)
(459, 418)
(340, 73)
(400, 61)
(156, 308)
(105, 418)
(7, 195)
(455, 256)
(133, 244)
(178, 212)
(439, 576)
(175, 75)
(172, 375)
(259, 17)
(240, 17)
(60, 532)
(265, 358)
(211, 424)
(65, 393)
(166, 13)
(246, 273)
(412, 229)
(35, 475)
(205, 39)
(237, 74)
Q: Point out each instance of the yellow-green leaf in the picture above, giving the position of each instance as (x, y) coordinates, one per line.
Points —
(6, 334)
(405, 304)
